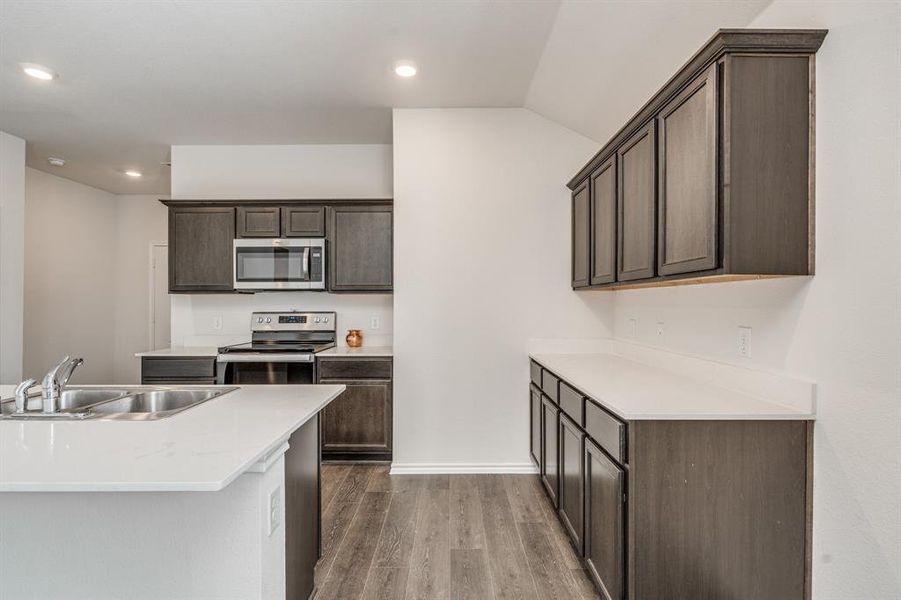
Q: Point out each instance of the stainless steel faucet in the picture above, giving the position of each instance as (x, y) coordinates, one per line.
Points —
(55, 381)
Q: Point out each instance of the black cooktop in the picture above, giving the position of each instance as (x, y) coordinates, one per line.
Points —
(277, 347)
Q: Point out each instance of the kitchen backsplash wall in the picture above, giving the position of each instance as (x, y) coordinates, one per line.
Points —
(219, 319)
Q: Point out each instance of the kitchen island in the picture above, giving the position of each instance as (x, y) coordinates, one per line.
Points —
(219, 501)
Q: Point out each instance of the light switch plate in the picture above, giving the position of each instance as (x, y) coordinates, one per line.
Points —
(633, 328)
(275, 505)
(374, 323)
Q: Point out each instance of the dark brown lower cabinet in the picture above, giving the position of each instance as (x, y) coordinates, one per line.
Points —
(357, 425)
(175, 370)
(535, 424)
(669, 508)
(302, 524)
(550, 416)
(571, 493)
(604, 522)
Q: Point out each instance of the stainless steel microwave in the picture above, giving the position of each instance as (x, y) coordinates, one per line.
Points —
(280, 264)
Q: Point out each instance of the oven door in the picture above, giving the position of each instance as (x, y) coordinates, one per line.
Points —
(279, 264)
(266, 369)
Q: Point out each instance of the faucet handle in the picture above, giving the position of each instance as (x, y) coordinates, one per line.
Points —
(22, 394)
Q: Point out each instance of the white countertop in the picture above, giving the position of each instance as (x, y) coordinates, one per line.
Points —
(210, 351)
(203, 448)
(634, 391)
(361, 351)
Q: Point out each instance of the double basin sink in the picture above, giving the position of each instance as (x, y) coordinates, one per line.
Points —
(144, 403)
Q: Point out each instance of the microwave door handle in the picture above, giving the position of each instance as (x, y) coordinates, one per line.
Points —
(306, 263)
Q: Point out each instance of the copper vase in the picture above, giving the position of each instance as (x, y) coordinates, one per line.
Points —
(354, 338)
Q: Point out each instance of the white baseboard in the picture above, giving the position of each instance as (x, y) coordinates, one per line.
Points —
(462, 468)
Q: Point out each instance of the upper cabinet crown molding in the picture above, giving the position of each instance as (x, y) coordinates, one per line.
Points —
(712, 179)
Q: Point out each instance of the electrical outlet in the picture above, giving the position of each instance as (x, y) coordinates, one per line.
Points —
(660, 329)
(375, 323)
(217, 322)
(275, 504)
(633, 328)
(744, 341)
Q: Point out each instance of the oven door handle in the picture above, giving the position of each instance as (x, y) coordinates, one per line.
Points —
(298, 357)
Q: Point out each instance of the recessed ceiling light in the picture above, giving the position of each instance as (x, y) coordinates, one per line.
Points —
(38, 71)
(133, 173)
(405, 68)
(57, 162)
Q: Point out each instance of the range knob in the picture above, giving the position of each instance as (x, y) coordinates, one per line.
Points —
(268, 320)
(325, 319)
(259, 319)
(316, 319)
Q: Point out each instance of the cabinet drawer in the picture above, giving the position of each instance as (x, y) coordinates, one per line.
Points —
(178, 368)
(608, 431)
(549, 384)
(535, 372)
(354, 368)
(571, 403)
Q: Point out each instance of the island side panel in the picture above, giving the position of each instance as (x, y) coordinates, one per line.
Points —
(718, 509)
(302, 461)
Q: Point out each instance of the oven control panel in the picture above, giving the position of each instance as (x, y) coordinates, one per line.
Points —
(292, 321)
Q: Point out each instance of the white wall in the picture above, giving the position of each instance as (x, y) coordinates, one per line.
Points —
(70, 283)
(481, 268)
(12, 255)
(140, 220)
(841, 328)
(282, 171)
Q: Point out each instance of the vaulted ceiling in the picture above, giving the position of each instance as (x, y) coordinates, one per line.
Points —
(137, 77)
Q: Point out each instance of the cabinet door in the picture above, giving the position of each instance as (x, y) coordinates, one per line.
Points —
(258, 221)
(603, 223)
(636, 199)
(303, 221)
(358, 422)
(549, 450)
(201, 249)
(571, 488)
(604, 522)
(361, 255)
(535, 425)
(580, 236)
(687, 211)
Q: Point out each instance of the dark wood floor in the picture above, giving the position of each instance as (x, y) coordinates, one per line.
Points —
(436, 537)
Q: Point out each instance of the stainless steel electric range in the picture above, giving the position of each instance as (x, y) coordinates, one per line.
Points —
(281, 350)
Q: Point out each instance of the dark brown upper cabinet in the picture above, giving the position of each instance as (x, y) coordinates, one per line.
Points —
(360, 252)
(714, 174)
(637, 204)
(359, 234)
(201, 242)
(303, 221)
(687, 212)
(603, 223)
(258, 221)
(580, 236)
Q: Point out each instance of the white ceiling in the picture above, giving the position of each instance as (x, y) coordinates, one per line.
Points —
(139, 76)
(136, 77)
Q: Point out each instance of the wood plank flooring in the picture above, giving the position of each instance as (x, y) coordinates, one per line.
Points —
(442, 537)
